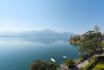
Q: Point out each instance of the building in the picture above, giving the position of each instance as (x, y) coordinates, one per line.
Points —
(96, 29)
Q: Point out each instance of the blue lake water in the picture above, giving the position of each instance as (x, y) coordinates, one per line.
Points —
(18, 54)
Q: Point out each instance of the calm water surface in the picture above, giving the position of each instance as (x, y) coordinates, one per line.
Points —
(18, 54)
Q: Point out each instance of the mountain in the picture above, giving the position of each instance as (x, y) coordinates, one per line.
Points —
(46, 35)
(39, 36)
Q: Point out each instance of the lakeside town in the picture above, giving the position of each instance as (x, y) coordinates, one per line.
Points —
(91, 48)
(51, 34)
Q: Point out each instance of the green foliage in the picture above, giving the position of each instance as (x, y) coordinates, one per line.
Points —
(87, 43)
(81, 58)
(39, 65)
(100, 65)
(102, 44)
(51, 65)
(42, 65)
(69, 63)
(93, 59)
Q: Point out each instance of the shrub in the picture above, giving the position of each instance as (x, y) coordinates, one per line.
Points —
(41, 65)
(69, 63)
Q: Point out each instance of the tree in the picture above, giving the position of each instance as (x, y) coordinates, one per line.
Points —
(102, 44)
(87, 43)
(52, 65)
(90, 43)
(41, 65)
(69, 63)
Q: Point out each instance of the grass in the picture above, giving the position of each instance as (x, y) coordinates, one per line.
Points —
(99, 66)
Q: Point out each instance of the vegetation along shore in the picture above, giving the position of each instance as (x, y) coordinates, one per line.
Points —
(91, 49)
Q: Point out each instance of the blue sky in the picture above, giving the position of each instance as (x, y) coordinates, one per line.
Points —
(60, 15)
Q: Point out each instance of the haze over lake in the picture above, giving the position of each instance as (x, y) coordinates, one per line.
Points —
(17, 53)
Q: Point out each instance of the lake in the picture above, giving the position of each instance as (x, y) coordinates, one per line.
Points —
(18, 54)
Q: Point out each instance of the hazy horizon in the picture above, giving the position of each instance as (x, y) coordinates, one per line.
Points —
(58, 15)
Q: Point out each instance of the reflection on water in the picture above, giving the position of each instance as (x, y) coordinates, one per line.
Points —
(18, 54)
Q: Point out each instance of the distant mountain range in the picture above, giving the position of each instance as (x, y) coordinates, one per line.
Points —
(43, 35)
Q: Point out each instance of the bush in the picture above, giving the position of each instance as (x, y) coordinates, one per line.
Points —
(69, 63)
(52, 66)
(81, 58)
(41, 65)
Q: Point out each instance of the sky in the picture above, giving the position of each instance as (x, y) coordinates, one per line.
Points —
(76, 16)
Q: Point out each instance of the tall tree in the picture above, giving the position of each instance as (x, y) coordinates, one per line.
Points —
(87, 43)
